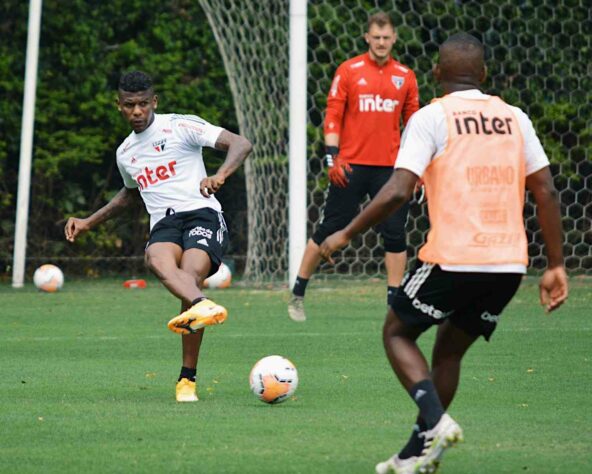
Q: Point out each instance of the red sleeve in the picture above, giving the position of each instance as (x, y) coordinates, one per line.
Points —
(412, 100)
(336, 101)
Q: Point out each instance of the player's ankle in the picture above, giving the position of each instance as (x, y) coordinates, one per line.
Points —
(300, 286)
(425, 396)
(187, 373)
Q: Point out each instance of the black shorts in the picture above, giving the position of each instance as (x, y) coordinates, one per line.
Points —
(472, 302)
(343, 204)
(203, 229)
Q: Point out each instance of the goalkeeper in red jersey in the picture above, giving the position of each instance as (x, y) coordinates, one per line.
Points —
(370, 95)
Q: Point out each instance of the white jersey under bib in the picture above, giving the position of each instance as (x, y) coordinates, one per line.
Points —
(165, 162)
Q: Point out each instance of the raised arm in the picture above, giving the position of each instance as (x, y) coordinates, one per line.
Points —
(116, 205)
(237, 148)
(553, 285)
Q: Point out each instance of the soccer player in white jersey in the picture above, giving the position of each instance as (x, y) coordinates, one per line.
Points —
(477, 155)
(162, 159)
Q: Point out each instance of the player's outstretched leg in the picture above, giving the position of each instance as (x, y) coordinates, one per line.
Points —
(201, 314)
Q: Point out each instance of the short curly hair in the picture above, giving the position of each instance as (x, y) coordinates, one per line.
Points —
(135, 81)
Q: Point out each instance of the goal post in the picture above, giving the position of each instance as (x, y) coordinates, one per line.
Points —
(297, 215)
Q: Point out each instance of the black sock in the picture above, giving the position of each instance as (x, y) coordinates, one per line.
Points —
(430, 407)
(197, 300)
(187, 373)
(415, 444)
(300, 286)
(390, 294)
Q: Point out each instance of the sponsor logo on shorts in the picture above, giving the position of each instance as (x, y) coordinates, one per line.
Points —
(429, 309)
(200, 231)
(203, 242)
(490, 318)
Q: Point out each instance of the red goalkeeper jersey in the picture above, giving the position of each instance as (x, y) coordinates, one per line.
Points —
(364, 108)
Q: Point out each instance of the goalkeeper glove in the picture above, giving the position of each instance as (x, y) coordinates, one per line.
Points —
(337, 168)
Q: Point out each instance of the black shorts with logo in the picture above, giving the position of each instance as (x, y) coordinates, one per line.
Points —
(471, 301)
(343, 204)
(203, 229)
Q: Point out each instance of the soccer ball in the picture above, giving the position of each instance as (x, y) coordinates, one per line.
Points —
(273, 379)
(221, 279)
(48, 278)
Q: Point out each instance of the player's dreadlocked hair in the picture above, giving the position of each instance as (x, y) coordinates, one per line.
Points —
(136, 81)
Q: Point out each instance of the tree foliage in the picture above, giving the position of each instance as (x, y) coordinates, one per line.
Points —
(84, 48)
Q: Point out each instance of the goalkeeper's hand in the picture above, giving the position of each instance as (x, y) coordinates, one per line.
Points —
(338, 169)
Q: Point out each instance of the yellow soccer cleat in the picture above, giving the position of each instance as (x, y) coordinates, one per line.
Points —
(204, 313)
(186, 391)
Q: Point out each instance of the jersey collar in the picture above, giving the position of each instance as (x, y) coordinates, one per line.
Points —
(371, 61)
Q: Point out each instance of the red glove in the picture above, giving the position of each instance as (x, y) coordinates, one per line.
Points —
(337, 168)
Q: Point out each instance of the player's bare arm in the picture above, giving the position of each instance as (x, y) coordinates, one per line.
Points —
(237, 148)
(553, 285)
(123, 199)
(391, 197)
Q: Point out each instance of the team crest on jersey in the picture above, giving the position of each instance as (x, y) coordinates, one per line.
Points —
(398, 81)
(159, 144)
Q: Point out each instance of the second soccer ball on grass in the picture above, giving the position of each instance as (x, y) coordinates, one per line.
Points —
(221, 279)
(273, 379)
(48, 278)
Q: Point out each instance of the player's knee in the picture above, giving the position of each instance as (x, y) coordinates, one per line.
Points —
(395, 244)
(326, 228)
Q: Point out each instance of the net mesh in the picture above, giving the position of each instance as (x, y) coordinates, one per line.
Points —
(538, 55)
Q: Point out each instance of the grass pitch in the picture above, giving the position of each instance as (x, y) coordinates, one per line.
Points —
(87, 385)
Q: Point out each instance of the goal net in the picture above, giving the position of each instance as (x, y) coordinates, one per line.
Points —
(537, 55)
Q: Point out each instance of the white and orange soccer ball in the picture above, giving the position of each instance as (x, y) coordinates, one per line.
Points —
(273, 379)
(48, 278)
(221, 279)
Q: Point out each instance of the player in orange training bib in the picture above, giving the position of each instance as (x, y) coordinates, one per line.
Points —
(476, 155)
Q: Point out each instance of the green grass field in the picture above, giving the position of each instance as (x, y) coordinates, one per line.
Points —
(87, 385)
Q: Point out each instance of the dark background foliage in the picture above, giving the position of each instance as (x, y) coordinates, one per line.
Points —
(539, 56)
